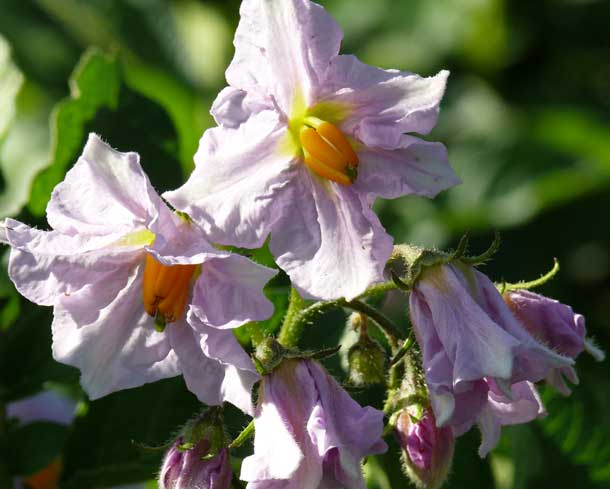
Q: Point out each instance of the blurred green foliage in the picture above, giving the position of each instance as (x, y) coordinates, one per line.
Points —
(526, 123)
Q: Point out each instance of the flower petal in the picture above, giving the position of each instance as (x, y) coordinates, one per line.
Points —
(282, 50)
(104, 331)
(236, 191)
(533, 360)
(229, 292)
(215, 367)
(45, 265)
(279, 448)
(417, 167)
(106, 192)
(384, 104)
(501, 411)
(44, 406)
(331, 244)
(233, 107)
(343, 431)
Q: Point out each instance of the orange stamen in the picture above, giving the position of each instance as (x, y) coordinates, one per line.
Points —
(151, 271)
(166, 288)
(335, 137)
(47, 478)
(327, 152)
(172, 306)
(325, 171)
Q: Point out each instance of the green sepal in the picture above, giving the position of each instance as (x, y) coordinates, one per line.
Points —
(408, 262)
(206, 426)
(532, 284)
(270, 354)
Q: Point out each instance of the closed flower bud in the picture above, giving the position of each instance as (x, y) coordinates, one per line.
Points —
(194, 460)
(557, 326)
(427, 451)
(366, 362)
(185, 469)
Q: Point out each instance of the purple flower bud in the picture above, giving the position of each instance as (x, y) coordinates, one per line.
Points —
(184, 469)
(557, 326)
(427, 451)
(553, 323)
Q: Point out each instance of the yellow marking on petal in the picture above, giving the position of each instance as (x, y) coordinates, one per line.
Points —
(166, 288)
(143, 237)
(333, 112)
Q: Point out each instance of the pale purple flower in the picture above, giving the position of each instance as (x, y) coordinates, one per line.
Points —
(282, 160)
(470, 341)
(555, 325)
(185, 469)
(44, 406)
(115, 246)
(309, 432)
(427, 449)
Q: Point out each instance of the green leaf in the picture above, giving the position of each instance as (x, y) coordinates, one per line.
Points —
(185, 108)
(101, 452)
(11, 80)
(579, 424)
(95, 84)
(34, 446)
(23, 134)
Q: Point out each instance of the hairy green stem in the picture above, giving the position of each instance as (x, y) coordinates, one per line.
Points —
(392, 333)
(298, 316)
(406, 346)
(292, 328)
(378, 289)
(256, 335)
(245, 434)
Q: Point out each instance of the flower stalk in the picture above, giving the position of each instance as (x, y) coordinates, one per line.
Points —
(292, 328)
(299, 316)
(246, 434)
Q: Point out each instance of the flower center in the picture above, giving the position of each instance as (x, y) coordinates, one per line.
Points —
(327, 152)
(166, 290)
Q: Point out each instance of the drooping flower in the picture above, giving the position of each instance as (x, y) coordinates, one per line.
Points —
(307, 139)
(555, 325)
(118, 267)
(309, 432)
(427, 451)
(477, 357)
(46, 406)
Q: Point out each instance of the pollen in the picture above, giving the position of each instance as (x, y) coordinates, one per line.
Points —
(327, 152)
(166, 289)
